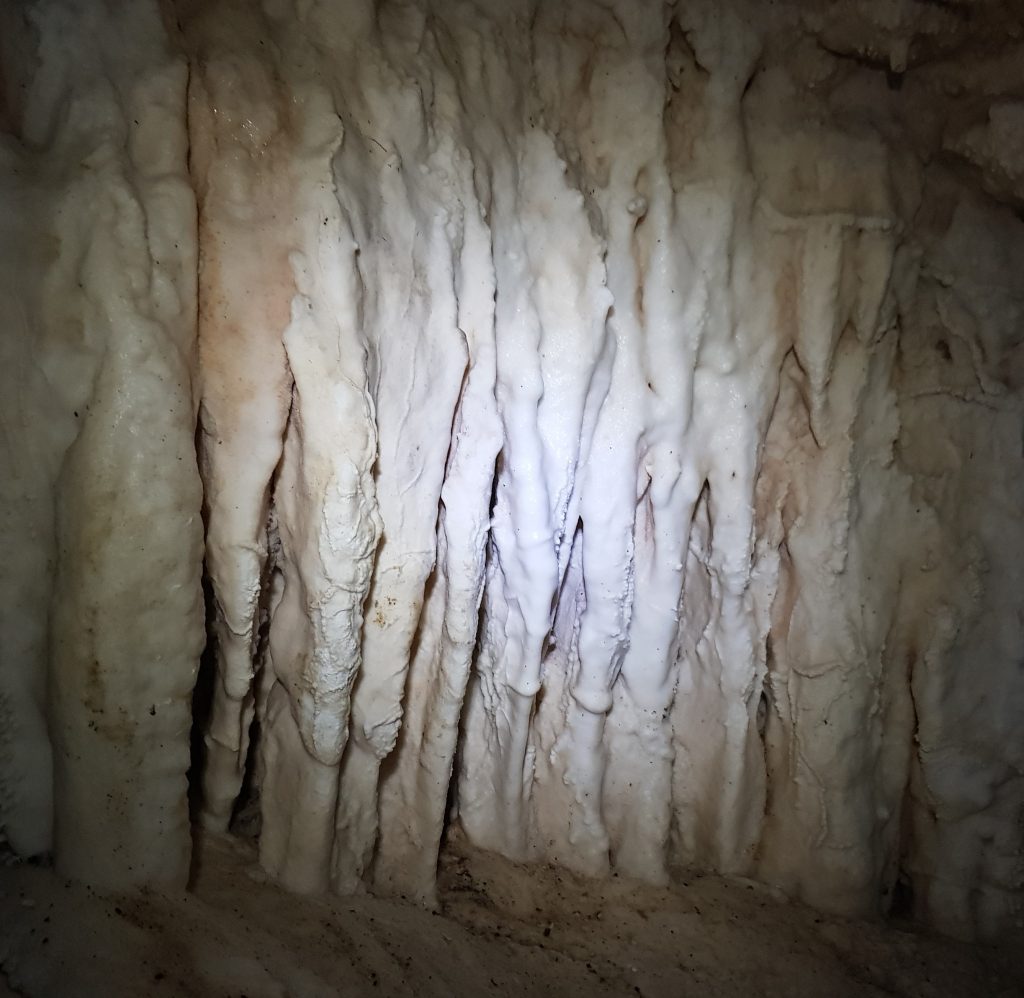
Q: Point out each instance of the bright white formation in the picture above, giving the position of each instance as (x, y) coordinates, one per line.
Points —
(610, 423)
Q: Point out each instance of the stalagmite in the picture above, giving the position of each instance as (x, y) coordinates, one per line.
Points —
(608, 423)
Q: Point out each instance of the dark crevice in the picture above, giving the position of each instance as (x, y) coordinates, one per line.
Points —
(202, 703)
(246, 816)
(901, 903)
(451, 808)
(767, 732)
(451, 801)
(761, 713)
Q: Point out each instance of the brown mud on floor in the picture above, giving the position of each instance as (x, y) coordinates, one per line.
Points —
(505, 930)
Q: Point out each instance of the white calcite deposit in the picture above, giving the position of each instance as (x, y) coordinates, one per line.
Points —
(609, 417)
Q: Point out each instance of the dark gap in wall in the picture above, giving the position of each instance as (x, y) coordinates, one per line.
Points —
(767, 719)
(451, 801)
(202, 691)
(901, 905)
(246, 816)
(761, 716)
(202, 701)
(451, 805)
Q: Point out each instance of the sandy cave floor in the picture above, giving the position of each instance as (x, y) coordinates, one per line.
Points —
(503, 930)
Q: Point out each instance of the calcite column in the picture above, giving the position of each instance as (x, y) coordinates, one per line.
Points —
(126, 611)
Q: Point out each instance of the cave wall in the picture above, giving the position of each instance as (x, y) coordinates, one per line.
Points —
(609, 425)
(102, 619)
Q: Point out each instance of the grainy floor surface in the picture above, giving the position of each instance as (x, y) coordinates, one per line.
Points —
(503, 930)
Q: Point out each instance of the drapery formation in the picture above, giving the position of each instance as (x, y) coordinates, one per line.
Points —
(609, 424)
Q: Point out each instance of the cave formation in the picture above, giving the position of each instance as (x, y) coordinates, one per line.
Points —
(590, 428)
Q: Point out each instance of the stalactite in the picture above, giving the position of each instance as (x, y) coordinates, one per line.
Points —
(609, 429)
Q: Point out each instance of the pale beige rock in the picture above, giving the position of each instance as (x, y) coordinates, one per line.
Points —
(610, 430)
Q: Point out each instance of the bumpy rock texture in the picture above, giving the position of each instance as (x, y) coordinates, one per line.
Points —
(610, 417)
(101, 613)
